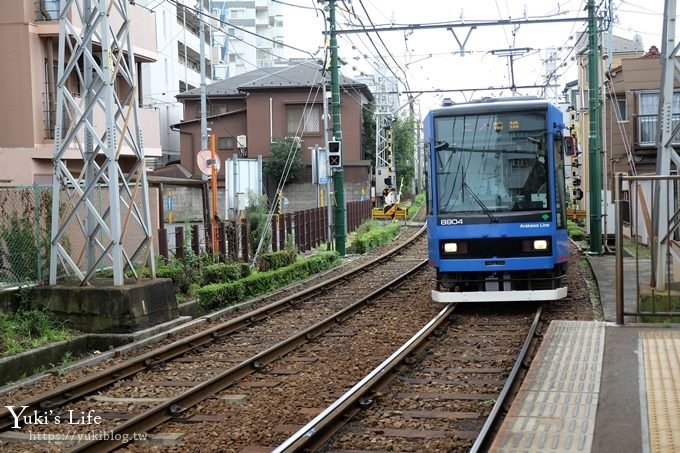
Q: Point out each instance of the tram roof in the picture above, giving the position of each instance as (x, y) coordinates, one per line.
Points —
(494, 105)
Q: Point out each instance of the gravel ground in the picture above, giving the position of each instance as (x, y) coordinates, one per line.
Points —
(311, 378)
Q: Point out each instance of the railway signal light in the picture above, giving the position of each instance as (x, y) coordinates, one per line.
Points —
(334, 154)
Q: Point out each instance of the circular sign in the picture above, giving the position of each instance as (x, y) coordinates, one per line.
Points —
(206, 163)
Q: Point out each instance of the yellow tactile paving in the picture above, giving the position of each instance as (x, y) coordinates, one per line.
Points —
(661, 352)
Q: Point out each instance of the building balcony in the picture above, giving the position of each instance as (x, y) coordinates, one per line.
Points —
(645, 130)
(149, 123)
(142, 24)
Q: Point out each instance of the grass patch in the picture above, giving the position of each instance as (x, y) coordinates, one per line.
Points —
(636, 249)
(416, 206)
(29, 329)
(651, 302)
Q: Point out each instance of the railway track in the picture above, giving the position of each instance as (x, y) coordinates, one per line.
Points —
(216, 348)
(434, 393)
(250, 390)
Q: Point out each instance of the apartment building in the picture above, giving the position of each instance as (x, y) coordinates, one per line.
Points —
(29, 39)
(253, 37)
(178, 67)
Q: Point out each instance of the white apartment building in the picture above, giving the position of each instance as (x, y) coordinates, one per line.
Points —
(243, 51)
(177, 68)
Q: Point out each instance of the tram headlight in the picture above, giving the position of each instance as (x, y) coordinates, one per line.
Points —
(533, 245)
(454, 248)
(450, 247)
(540, 244)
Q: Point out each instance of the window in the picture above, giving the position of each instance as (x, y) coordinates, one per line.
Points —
(648, 109)
(622, 115)
(237, 13)
(560, 195)
(226, 143)
(214, 109)
(301, 120)
(496, 162)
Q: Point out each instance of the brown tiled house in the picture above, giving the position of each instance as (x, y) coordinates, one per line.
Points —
(267, 104)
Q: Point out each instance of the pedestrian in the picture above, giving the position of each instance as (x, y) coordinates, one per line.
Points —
(391, 203)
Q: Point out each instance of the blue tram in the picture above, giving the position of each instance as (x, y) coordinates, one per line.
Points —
(496, 223)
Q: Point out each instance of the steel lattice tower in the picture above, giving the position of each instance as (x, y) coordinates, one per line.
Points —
(665, 154)
(100, 209)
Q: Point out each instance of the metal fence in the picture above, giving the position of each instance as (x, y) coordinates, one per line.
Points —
(307, 229)
(25, 229)
(24, 233)
(654, 292)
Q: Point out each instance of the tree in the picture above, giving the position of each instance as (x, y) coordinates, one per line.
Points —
(256, 217)
(284, 152)
(403, 146)
(368, 132)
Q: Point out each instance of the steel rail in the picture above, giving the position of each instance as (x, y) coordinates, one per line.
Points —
(178, 405)
(485, 435)
(323, 426)
(87, 385)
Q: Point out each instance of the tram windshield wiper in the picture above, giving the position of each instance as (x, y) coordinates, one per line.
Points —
(441, 145)
(481, 204)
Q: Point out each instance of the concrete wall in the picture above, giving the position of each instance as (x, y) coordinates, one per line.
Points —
(187, 204)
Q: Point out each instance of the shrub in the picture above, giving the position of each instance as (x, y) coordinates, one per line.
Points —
(217, 294)
(276, 260)
(375, 238)
(224, 294)
(221, 273)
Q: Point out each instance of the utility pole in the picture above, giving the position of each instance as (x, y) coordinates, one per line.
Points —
(201, 38)
(338, 174)
(594, 164)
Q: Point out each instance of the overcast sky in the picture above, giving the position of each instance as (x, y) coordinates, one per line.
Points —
(431, 58)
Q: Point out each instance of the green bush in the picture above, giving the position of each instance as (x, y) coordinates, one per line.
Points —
(576, 234)
(276, 260)
(224, 294)
(221, 273)
(375, 238)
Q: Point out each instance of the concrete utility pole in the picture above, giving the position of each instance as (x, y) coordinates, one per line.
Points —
(201, 38)
(665, 154)
(338, 174)
(594, 161)
(113, 229)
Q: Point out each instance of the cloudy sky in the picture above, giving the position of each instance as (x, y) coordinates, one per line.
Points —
(431, 59)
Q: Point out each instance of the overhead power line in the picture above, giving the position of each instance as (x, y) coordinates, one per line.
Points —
(471, 23)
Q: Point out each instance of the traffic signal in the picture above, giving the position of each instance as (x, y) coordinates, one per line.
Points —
(334, 154)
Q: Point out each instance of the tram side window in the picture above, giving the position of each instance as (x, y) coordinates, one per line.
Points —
(560, 207)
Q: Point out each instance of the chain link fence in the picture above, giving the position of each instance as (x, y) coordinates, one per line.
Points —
(25, 229)
(24, 234)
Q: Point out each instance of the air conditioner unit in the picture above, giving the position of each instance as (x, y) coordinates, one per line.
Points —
(241, 141)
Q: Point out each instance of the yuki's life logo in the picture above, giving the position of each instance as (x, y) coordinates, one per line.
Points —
(71, 417)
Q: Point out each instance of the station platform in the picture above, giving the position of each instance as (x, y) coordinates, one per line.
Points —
(594, 386)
